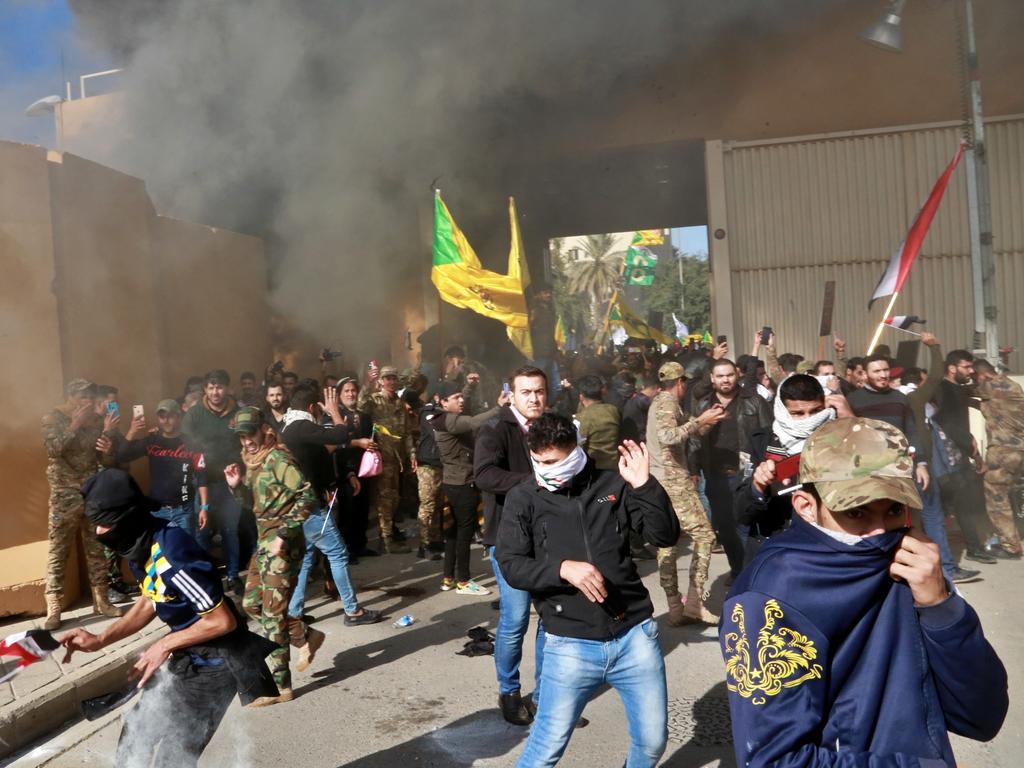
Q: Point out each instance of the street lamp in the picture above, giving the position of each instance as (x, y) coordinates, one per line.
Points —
(886, 34)
(50, 104)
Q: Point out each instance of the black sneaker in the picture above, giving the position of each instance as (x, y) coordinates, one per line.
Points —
(426, 554)
(237, 586)
(1001, 553)
(126, 589)
(980, 556)
(397, 533)
(960, 575)
(366, 617)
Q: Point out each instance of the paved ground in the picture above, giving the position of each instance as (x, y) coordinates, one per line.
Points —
(379, 697)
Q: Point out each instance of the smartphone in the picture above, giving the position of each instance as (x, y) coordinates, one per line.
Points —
(722, 339)
(787, 470)
(113, 409)
(506, 389)
(766, 335)
(138, 412)
(371, 365)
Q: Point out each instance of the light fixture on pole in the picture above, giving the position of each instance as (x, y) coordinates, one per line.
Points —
(50, 104)
(886, 34)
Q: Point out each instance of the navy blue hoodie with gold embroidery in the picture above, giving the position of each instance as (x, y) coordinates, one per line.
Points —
(829, 662)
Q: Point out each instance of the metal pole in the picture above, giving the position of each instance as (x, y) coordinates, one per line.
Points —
(986, 336)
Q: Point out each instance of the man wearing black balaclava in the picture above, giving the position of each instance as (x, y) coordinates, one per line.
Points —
(208, 655)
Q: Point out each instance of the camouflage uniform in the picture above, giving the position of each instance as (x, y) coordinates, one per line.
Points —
(431, 500)
(396, 446)
(72, 459)
(1003, 407)
(281, 499)
(668, 430)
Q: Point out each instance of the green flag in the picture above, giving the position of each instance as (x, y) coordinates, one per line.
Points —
(640, 264)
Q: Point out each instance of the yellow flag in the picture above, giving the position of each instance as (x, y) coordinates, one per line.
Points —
(636, 326)
(463, 282)
(519, 270)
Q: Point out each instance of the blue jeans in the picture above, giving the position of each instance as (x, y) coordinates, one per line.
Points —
(184, 517)
(574, 670)
(513, 621)
(933, 519)
(225, 513)
(321, 533)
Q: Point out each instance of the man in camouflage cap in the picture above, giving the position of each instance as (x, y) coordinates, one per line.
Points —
(393, 432)
(281, 499)
(73, 435)
(668, 431)
(843, 642)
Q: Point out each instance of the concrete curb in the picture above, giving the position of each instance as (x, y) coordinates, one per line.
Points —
(26, 719)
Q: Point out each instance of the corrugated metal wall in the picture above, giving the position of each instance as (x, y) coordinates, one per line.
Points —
(801, 212)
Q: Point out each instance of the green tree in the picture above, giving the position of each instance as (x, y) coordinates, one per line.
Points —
(665, 293)
(597, 276)
(572, 308)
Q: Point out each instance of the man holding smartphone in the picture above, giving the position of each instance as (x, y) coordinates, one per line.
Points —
(176, 473)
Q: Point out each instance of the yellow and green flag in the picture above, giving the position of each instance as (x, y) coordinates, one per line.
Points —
(518, 270)
(635, 325)
(463, 282)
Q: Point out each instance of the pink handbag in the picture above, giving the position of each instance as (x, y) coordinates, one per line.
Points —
(370, 465)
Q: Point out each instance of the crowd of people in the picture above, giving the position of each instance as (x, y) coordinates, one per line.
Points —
(825, 484)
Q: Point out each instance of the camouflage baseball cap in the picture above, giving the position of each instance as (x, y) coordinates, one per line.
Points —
(670, 371)
(805, 366)
(388, 370)
(855, 461)
(79, 387)
(248, 419)
(168, 405)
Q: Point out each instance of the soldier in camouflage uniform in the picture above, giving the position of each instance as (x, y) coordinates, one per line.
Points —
(1002, 403)
(393, 433)
(75, 448)
(668, 430)
(281, 499)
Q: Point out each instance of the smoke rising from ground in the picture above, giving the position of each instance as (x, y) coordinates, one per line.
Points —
(321, 124)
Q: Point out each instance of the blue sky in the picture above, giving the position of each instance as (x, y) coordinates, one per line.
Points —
(32, 35)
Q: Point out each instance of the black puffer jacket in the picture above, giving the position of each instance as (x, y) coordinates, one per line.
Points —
(588, 521)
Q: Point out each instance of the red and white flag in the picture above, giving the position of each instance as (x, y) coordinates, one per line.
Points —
(28, 647)
(898, 271)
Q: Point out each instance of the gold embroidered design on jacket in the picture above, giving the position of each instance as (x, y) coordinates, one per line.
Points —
(783, 657)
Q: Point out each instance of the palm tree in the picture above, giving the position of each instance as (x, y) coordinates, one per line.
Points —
(598, 276)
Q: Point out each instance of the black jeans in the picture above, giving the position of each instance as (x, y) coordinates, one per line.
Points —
(352, 515)
(464, 500)
(963, 494)
(720, 490)
(176, 716)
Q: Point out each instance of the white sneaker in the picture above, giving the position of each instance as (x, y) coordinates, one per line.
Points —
(471, 588)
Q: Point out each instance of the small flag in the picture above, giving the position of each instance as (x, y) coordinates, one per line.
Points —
(903, 322)
(706, 338)
(681, 330)
(898, 271)
(29, 647)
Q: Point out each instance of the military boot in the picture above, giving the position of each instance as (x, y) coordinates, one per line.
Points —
(395, 547)
(52, 612)
(675, 610)
(102, 605)
(694, 611)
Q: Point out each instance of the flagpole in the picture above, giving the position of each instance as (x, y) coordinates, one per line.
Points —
(905, 330)
(881, 325)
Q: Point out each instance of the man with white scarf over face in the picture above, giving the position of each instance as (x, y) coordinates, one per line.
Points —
(800, 409)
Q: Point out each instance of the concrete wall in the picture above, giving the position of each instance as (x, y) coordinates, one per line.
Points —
(96, 284)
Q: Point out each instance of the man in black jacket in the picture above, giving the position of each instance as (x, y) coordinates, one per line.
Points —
(501, 461)
(564, 538)
(722, 453)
